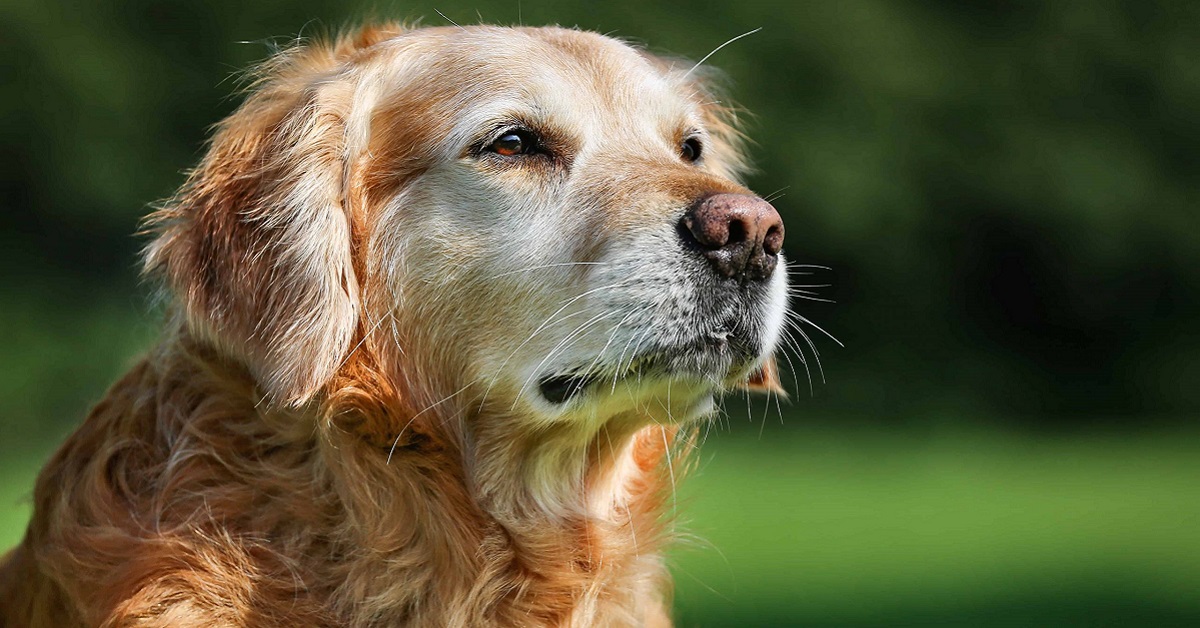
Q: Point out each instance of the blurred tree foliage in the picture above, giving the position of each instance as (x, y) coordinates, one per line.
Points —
(1005, 192)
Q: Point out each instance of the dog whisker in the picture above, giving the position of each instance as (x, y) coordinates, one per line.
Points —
(367, 335)
(816, 355)
(544, 266)
(718, 48)
(565, 342)
(414, 417)
(776, 195)
(446, 18)
(612, 336)
(804, 320)
(546, 323)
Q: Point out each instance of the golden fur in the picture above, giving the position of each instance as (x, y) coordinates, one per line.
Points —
(333, 429)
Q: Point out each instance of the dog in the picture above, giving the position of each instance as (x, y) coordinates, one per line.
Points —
(446, 307)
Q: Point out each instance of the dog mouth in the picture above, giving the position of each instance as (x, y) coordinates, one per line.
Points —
(714, 359)
(559, 389)
(562, 388)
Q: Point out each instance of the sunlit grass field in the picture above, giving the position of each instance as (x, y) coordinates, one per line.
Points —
(979, 528)
(866, 528)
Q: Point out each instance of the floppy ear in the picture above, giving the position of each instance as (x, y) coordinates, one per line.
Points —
(257, 244)
(765, 379)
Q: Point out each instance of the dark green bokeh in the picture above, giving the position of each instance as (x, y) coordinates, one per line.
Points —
(1006, 195)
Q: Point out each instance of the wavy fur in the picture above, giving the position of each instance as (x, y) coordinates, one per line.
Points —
(294, 451)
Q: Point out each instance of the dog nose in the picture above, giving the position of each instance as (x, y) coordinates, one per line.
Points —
(741, 235)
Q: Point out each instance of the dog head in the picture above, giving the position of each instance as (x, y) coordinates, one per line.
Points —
(543, 219)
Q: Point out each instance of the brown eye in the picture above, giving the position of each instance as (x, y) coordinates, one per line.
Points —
(515, 142)
(690, 150)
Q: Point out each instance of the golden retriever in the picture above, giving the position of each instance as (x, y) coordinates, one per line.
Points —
(443, 298)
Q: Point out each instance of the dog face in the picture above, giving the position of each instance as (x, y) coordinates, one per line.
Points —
(544, 220)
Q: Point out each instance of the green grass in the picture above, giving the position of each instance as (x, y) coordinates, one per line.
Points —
(971, 529)
(852, 528)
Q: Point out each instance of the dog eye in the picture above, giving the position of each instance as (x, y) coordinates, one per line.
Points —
(514, 142)
(690, 149)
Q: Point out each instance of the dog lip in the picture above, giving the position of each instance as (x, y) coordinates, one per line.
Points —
(563, 387)
(559, 389)
(706, 356)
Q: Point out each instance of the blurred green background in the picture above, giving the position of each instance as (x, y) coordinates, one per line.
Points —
(1006, 194)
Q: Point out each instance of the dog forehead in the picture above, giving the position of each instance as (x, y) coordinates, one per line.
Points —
(584, 79)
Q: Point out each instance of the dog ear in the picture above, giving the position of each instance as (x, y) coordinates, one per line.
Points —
(257, 243)
(765, 379)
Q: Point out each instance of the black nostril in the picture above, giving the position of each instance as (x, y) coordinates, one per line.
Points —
(740, 235)
(773, 242)
(737, 233)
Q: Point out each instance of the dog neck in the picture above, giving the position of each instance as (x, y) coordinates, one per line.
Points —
(562, 522)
